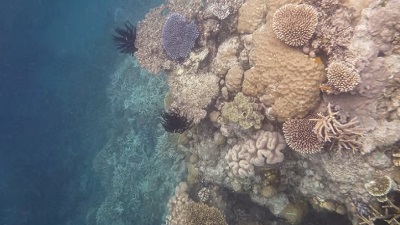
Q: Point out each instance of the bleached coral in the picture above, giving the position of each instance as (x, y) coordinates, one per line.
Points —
(295, 24)
(192, 93)
(263, 148)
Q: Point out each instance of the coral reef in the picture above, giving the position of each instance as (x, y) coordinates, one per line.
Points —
(178, 37)
(257, 71)
(295, 24)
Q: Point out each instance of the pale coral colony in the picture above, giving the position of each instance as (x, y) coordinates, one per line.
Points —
(292, 102)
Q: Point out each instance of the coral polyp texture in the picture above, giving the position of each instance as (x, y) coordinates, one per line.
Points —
(300, 136)
(178, 37)
(295, 24)
(342, 77)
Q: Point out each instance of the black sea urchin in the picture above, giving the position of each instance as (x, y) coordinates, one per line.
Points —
(125, 39)
(173, 122)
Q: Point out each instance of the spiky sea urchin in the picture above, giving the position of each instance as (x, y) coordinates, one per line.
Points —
(174, 122)
(125, 39)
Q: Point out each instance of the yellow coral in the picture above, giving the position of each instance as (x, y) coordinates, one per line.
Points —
(241, 110)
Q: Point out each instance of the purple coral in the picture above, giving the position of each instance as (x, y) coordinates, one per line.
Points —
(178, 37)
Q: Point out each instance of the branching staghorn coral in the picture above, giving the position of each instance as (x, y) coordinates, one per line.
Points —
(345, 135)
(390, 214)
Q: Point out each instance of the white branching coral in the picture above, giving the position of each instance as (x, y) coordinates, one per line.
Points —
(295, 24)
(264, 147)
(342, 77)
(344, 134)
(192, 93)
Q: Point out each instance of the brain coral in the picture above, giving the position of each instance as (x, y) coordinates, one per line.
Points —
(295, 24)
(342, 77)
(178, 37)
(284, 79)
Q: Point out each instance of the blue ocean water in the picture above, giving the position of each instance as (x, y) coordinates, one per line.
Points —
(60, 113)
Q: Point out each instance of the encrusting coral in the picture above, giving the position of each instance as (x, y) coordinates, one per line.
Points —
(178, 37)
(295, 24)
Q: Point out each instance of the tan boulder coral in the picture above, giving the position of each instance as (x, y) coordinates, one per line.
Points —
(283, 78)
(251, 14)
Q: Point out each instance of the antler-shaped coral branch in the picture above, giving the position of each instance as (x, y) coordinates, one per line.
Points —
(345, 135)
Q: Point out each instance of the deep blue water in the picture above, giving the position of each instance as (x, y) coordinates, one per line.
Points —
(55, 61)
